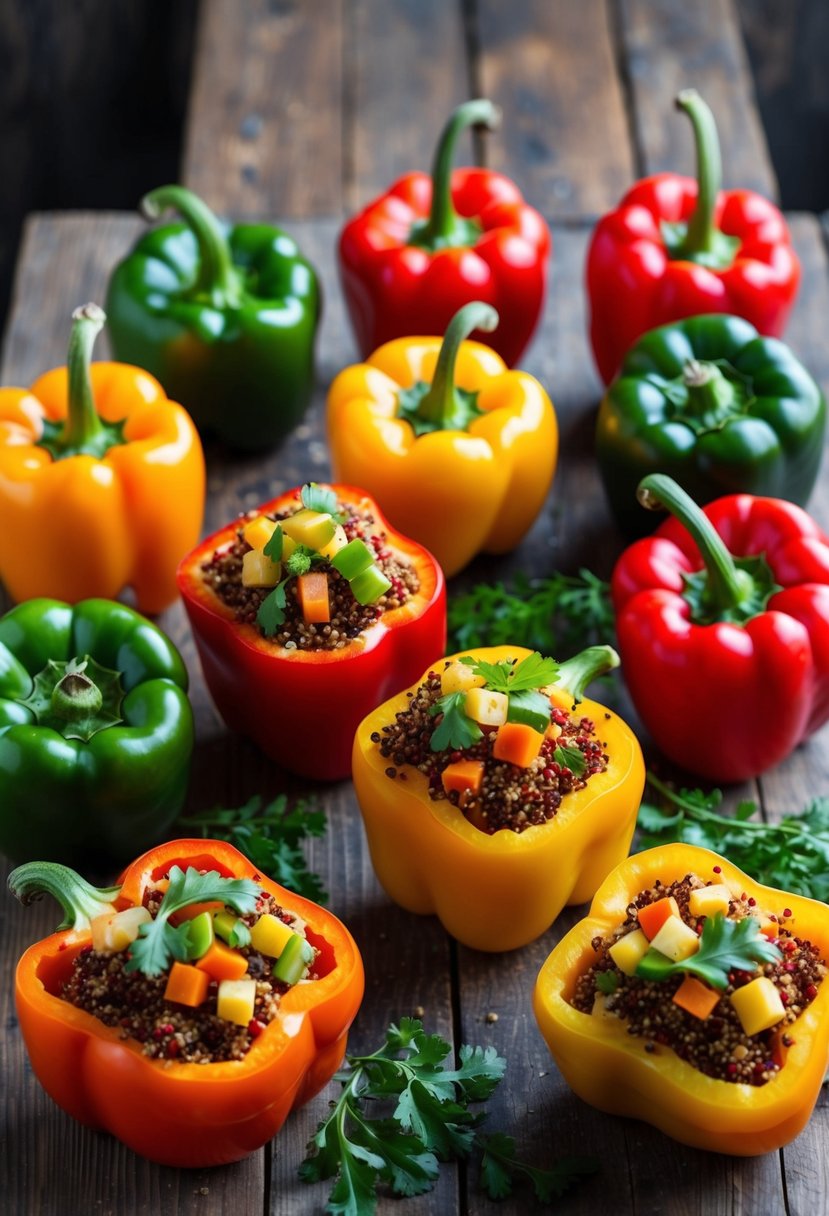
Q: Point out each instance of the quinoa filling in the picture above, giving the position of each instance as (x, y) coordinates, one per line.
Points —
(716, 1044)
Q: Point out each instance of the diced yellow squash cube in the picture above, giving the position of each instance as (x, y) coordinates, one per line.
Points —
(259, 571)
(259, 531)
(288, 546)
(758, 1005)
(629, 950)
(269, 935)
(676, 940)
(488, 708)
(553, 731)
(312, 528)
(459, 677)
(338, 541)
(235, 1001)
(708, 901)
(113, 931)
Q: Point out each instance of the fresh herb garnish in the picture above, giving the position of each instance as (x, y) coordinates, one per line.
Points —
(792, 855)
(724, 945)
(271, 612)
(317, 498)
(499, 1167)
(301, 559)
(572, 758)
(607, 982)
(270, 836)
(273, 549)
(531, 673)
(159, 942)
(457, 730)
(431, 1121)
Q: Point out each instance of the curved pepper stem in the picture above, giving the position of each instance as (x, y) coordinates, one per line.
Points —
(440, 406)
(576, 673)
(217, 277)
(81, 902)
(444, 228)
(700, 240)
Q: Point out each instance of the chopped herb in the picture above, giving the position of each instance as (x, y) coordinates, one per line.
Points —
(725, 945)
(317, 498)
(271, 612)
(572, 758)
(273, 549)
(301, 559)
(456, 730)
(499, 1167)
(531, 673)
(607, 982)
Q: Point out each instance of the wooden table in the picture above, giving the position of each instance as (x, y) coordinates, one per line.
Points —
(302, 111)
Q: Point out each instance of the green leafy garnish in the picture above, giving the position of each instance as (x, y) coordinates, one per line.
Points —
(426, 1119)
(273, 549)
(301, 559)
(499, 1168)
(531, 673)
(725, 945)
(270, 836)
(317, 498)
(607, 982)
(456, 730)
(158, 942)
(271, 612)
(572, 758)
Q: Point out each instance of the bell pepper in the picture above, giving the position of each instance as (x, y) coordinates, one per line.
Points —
(96, 732)
(458, 451)
(722, 619)
(676, 248)
(301, 707)
(101, 481)
(611, 1069)
(413, 256)
(500, 891)
(180, 1114)
(225, 318)
(715, 406)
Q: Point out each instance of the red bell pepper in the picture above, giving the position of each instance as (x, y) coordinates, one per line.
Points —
(303, 707)
(726, 658)
(416, 254)
(676, 247)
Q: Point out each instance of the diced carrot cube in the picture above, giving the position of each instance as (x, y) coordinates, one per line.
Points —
(222, 963)
(186, 985)
(312, 592)
(463, 775)
(516, 743)
(696, 998)
(653, 916)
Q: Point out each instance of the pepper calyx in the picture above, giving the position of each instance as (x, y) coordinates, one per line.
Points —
(77, 698)
(707, 395)
(442, 405)
(80, 901)
(217, 279)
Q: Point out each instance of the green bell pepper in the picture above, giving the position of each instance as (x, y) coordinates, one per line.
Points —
(96, 732)
(715, 406)
(224, 318)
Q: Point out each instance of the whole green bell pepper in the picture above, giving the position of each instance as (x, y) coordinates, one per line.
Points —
(715, 406)
(96, 732)
(224, 318)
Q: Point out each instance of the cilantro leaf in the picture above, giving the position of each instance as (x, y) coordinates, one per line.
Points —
(607, 982)
(499, 1167)
(271, 612)
(273, 549)
(456, 730)
(725, 945)
(572, 758)
(317, 498)
(532, 672)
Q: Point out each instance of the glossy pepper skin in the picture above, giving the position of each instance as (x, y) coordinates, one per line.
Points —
(714, 405)
(743, 638)
(415, 255)
(189, 1115)
(225, 318)
(101, 481)
(676, 248)
(610, 1069)
(500, 891)
(302, 707)
(459, 479)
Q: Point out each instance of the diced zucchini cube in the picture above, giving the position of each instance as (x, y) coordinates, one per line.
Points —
(259, 531)
(312, 528)
(200, 935)
(231, 928)
(337, 542)
(459, 677)
(259, 571)
(676, 940)
(629, 950)
(369, 585)
(758, 1005)
(353, 559)
(708, 901)
(488, 708)
(269, 935)
(294, 960)
(235, 1001)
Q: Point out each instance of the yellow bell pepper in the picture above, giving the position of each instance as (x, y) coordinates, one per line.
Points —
(458, 451)
(611, 1069)
(500, 891)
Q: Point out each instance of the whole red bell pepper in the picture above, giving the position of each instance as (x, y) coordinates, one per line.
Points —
(676, 247)
(726, 657)
(416, 254)
(303, 707)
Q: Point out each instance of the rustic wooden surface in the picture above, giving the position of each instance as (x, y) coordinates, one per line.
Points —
(302, 111)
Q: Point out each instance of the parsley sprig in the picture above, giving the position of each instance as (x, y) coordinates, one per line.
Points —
(430, 1121)
(499, 1168)
(456, 730)
(530, 674)
(321, 498)
(725, 945)
(159, 942)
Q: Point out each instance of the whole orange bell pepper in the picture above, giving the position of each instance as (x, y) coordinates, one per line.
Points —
(458, 451)
(612, 1070)
(101, 481)
(172, 1113)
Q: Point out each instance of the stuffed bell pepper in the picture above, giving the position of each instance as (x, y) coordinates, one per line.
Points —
(694, 999)
(96, 732)
(458, 451)
(493, 794)
(101, 481)
(307, 612)
(189, 1008)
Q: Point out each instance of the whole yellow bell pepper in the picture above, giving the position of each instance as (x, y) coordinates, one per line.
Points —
(458, 451)
(500, 891)
(611, 1069)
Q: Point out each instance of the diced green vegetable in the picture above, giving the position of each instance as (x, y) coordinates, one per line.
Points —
(530, 708)
(654, 966)
(231, 929)
(353, 559)
(369, 585)
(292, 962)
(199, 935)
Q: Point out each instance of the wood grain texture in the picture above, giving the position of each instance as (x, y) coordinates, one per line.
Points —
(667, 47)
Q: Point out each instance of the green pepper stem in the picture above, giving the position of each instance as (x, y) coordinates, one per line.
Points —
(576, 673)
(217, 275)
(709, 391)
(83, 428)
(701, 234)
(438, 404)
(75, 695)
(78, 898)
(443, 217)
(727, 587)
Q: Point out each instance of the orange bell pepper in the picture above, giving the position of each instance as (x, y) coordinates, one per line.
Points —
(458, 451)
(101, 481)
(173, 1113)
(611, 1069)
